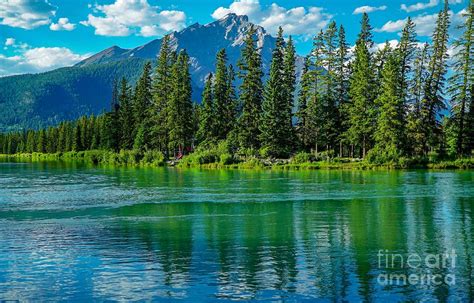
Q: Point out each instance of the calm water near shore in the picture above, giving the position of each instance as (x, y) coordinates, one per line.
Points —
(75, 233)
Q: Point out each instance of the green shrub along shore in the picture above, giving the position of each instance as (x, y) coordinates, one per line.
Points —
(216, 159)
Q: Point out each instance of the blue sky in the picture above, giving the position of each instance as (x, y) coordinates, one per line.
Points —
(40, 35)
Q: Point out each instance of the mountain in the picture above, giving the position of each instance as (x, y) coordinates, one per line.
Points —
(202, 42)
(39, 100)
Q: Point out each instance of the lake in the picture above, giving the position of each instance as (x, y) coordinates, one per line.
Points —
(75, 233)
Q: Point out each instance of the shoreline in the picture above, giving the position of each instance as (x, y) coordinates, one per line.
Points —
(156, 159)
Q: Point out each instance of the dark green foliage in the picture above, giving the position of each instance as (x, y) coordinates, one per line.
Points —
(389, 132)
(275, 127)
(406, 52)
(224, 97)
(207, 116)
(126, 116)
(415, 129)
(162, 88)
(180, 108)
(361, 110)
(140, 109)
(342, 85)
(251, 94)
(433, 102)
(461, 84)
(303, 123)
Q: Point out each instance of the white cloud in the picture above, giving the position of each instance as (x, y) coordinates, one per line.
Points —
(424, 5)
(26, 14)
(368, 9)
(378, 46)
(63, 24)
(41, 59)
(9, 42)
(294, 21)
(126, 17)
(425, 24)
(419, 6)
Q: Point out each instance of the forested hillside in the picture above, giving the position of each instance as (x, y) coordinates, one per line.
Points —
(40, 100)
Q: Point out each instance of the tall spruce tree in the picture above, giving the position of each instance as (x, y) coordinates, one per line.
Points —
(111, 129)
(222, 96)
(361, 91)
(415, 128)
(341, 71)
(162, 87)
(289, 70)
(142, 104)
(406, 52)
(126, 116)
(207, 116)
(433, 101)
(315, 108)
(180, 107)
(462, 81)
(275, 129)
(389, 133)
(232, 106)
(379, 59)
(330, 114)
(251, 93)
(303, 130)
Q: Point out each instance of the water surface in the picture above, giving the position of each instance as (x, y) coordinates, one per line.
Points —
(75, 233)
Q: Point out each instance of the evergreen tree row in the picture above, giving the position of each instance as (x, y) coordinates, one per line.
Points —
(382, 104)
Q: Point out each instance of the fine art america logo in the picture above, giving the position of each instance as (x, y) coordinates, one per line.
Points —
(416, 269)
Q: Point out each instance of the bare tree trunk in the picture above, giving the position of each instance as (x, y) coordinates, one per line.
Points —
(363, 147)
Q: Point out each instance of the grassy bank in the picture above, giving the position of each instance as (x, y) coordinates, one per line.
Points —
(212, 159)
(335, 164)
(218, 158)
(95, 157)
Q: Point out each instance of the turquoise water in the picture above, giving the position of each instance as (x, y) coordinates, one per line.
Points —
(74, 233)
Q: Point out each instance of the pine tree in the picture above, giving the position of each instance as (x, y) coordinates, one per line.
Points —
(433, 101)
(180, 107)
(126, 116)
(251, 93)
(415, 129)
(110, 130)
(380, 57)
(462, 81)
(406, 52)
(142, 105)
(330, 116)
(289, 70)
(162, 88)
(303, 124)
(274, 127)
(206, 132)
(315, 107)
(232, 108)
(222, 96)
(76, 141)
(341, 71)
(361, 91)
(389, 133)
(41, 142)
